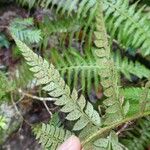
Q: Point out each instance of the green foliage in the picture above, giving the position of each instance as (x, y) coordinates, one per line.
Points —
(2, 123)
(109, 143)
(95, 62)
(122, 22)
(23, 77)
(129, 68)
(138, 138)
(50, 136)
(128, 25)
(23, 29)
(69, 6)
(134, 96)
(72, 10)
(5, 86)
(46, 74)
(66, 29)
(77, 68)
(3, 41)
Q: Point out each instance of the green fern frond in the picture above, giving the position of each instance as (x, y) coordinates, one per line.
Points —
(78, 11)
(59, 26)
(127, 25)
(3, 123)
(75, 67)
(23, 29)
(46, 74)
(128, 68)
(66, 29)
(109, 143)
(50, 136)
(63, 6)
(108, 73)
(139, 137)
(135, 96)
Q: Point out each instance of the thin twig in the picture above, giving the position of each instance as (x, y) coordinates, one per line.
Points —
(39, 98)
(47, 108)
(36, 97)
(124, 127)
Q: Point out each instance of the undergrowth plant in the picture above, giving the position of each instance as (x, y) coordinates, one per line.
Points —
(84, 57)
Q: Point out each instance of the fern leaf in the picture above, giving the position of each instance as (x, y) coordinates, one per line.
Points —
(63, 6)
(136, 96)
(47, 74)
(128, 68)
(50, 136)
(77, 67)
(142, 132)
(127, 25)
(108, 74)
(109, 143)
(81, 11)
(23, 30)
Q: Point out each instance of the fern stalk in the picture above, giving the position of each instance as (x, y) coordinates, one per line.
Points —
(106, 129)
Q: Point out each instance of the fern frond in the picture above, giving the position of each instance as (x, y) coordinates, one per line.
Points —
(46, 74)
(63, 6)
(128, 25)
(135, 95)
(139, 137)
(128, 68)
(78, 11)
(109, 143)
(108, 73)
(75, 67)
(66, 29)
(59, 26)
(50, 136)
(23, 29)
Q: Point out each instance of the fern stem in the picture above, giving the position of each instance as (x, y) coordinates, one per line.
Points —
(75, 67)
(106, 129)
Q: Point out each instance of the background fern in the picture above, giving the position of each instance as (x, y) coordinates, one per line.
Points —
(24, 30)
(114, 14)
(133, 95)
(109, 143)
(129, 68)
(75, 10)
(142, 132)
(128, 25)
(50, 136)
(75, 66)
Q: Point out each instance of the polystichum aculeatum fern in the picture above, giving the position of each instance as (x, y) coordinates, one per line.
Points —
(95, 126)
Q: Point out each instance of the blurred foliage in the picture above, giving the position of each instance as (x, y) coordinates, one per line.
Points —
(4, 41)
